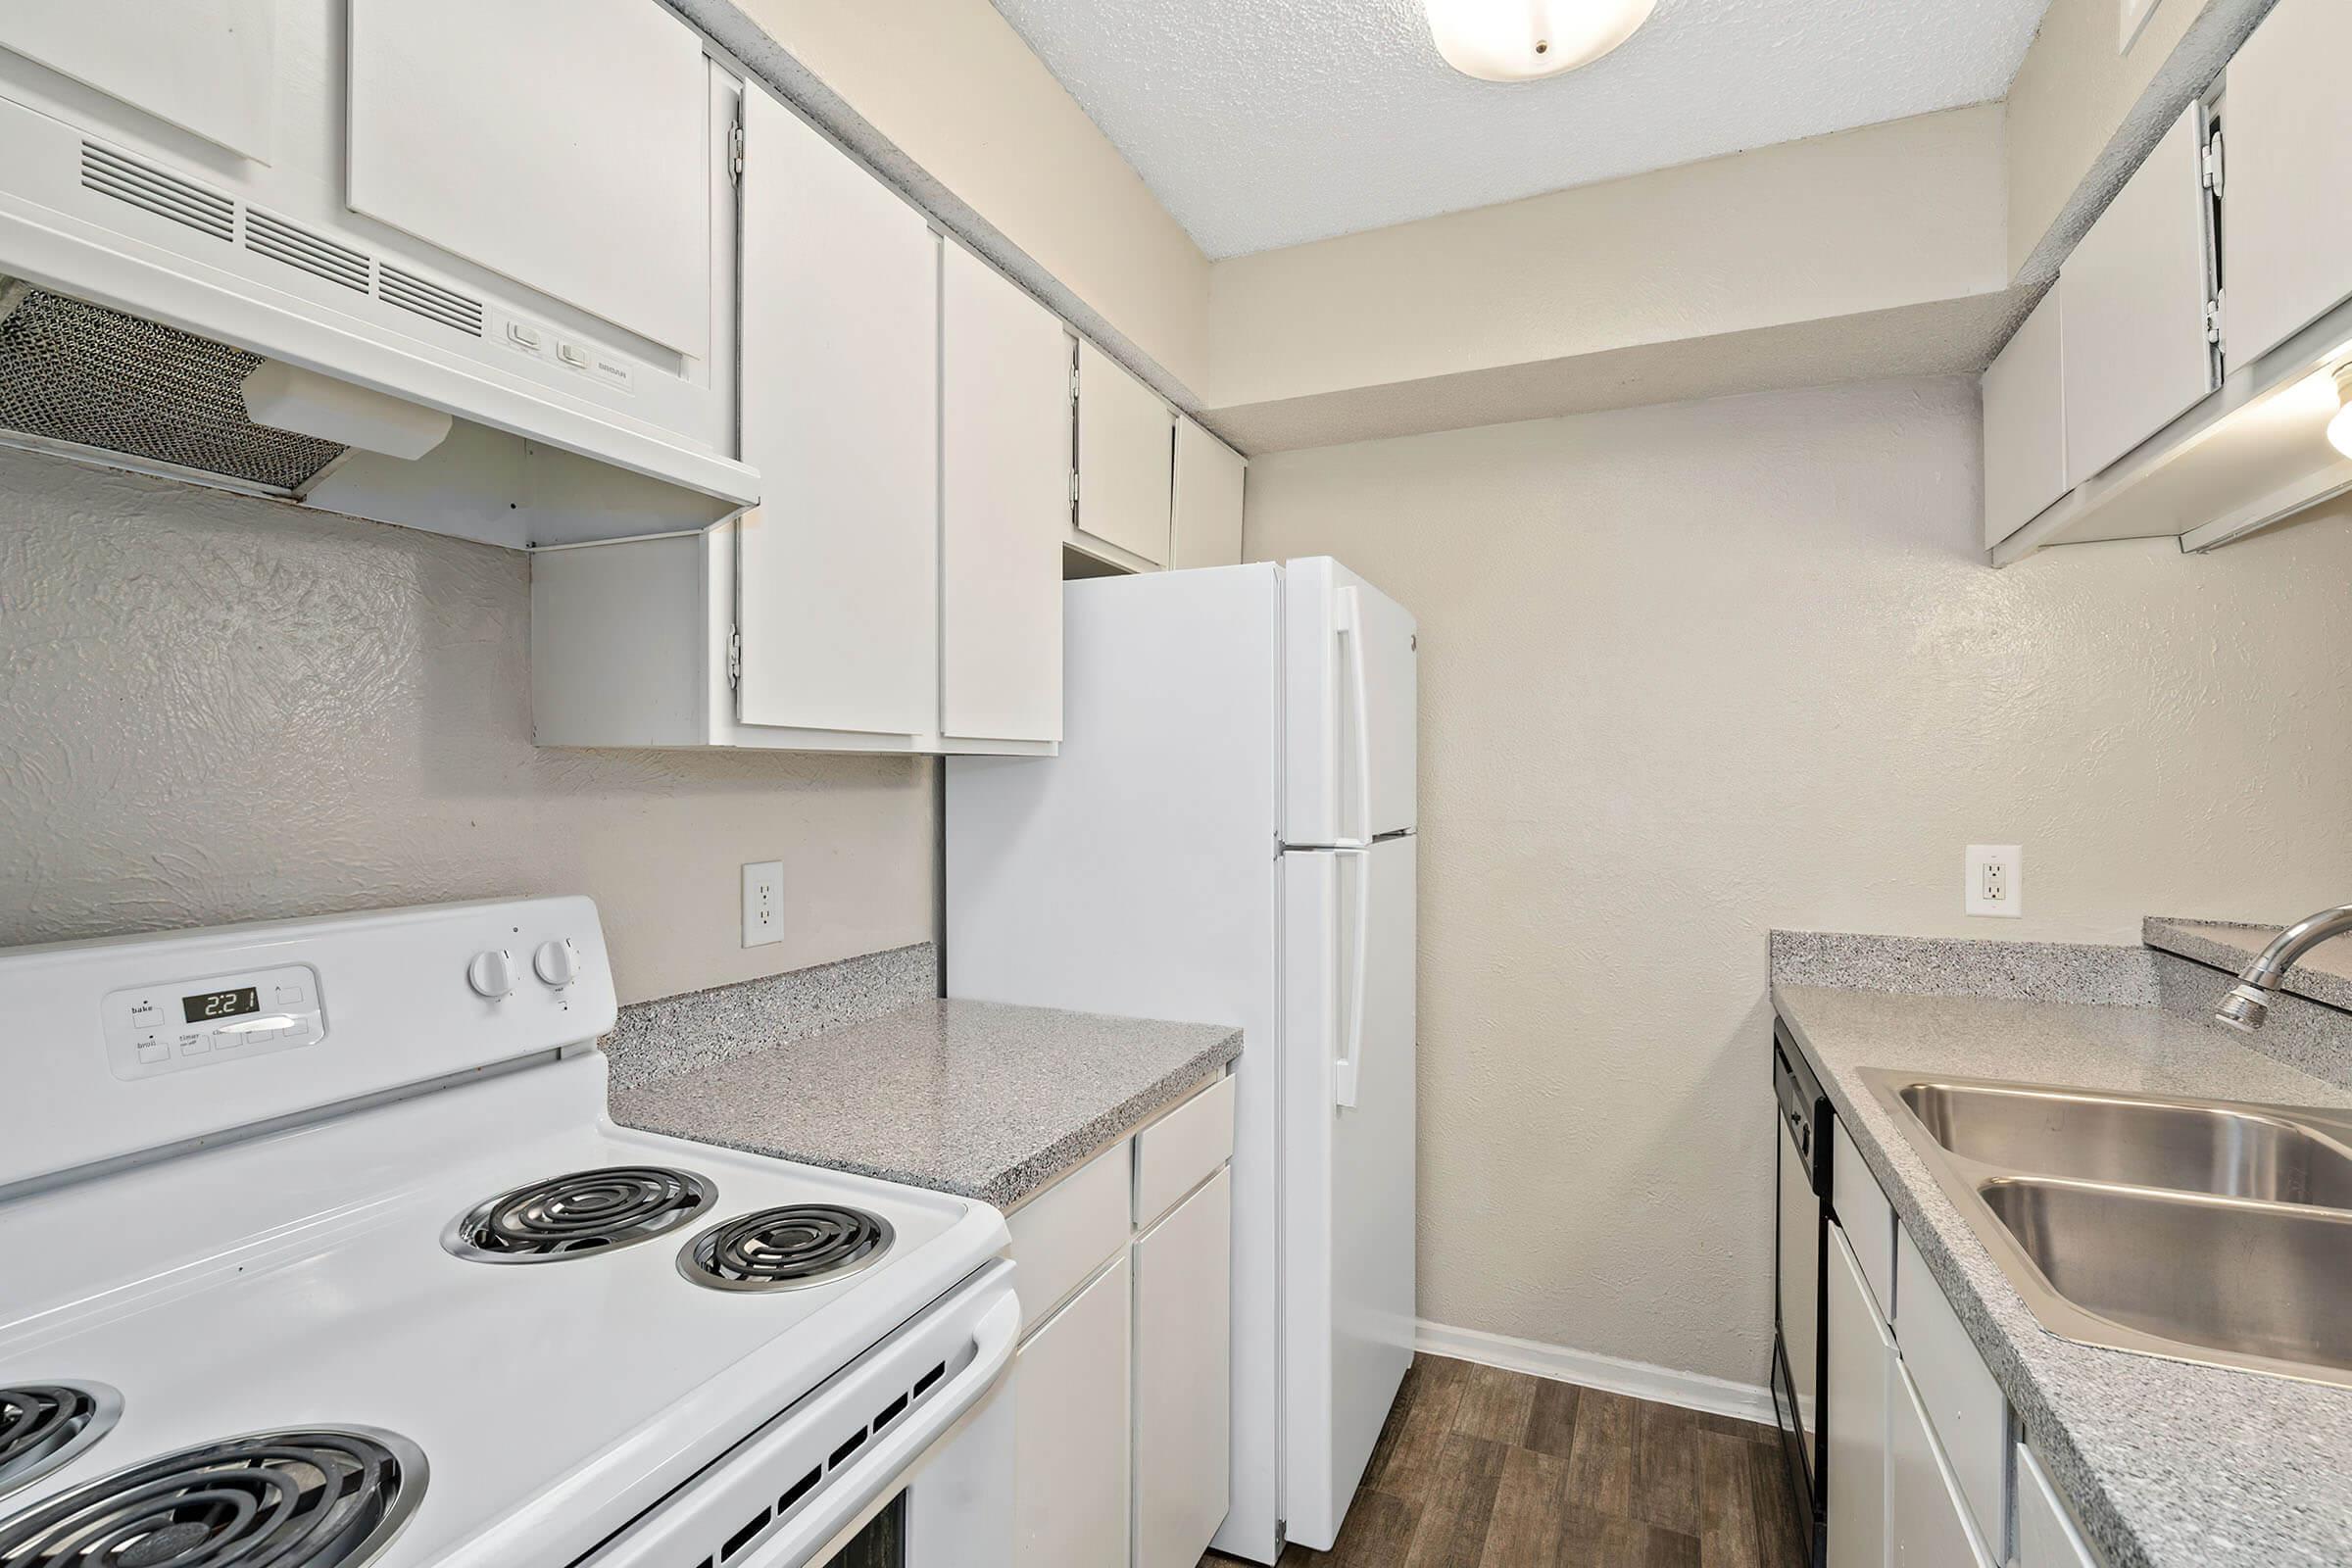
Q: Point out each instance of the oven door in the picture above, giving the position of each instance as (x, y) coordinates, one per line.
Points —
(955, 1508)
(903, 1460)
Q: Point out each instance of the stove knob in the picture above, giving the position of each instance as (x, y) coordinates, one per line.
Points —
(492, 973)
(556, 962)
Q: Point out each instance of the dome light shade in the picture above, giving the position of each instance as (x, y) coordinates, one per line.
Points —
(2339, 428)
(1519, 40)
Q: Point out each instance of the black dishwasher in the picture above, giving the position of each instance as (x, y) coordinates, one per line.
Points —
(1801, 1240)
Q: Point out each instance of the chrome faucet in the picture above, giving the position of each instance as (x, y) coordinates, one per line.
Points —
(2248, 1003)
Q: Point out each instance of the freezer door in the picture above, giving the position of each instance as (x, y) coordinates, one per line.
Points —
(1347, 1166)
(1351, 690)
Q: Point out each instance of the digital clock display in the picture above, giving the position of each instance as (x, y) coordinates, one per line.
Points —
(221, 1004)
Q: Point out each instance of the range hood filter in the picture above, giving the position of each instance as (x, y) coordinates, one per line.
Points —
(88, 376)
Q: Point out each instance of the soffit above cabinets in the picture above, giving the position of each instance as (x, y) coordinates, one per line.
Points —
(1263, 124)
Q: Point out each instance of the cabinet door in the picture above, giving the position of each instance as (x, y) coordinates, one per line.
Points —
(2135, 347)
(2025, 425)
(1072, 1432)
(1861, 1362)
(205, 65)
(1208, 510)
(1005, 476)
(1124, 459)
(1183, 1371)
(560, 142)
(2286, 129)
(1927, 1524)
(837, 579)
(2047, 1537)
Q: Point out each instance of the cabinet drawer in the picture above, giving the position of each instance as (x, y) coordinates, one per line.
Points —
(1866, 1217)
(1068, 1231)
(1177, 1152)
(1965, 1407)
(2047, 1537)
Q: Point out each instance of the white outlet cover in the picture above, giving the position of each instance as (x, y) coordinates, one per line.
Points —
(2011, 859)
(763, 902)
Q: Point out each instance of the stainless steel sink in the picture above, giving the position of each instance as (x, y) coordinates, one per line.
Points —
(2266, 1280)
(2186, 1146)
(2202, 1230)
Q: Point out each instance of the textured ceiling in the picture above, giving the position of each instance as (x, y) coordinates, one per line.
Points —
(1267, 122)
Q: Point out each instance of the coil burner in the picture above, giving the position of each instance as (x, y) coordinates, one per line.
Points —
(274, 1499)
(785, 1248)
(583, 1212)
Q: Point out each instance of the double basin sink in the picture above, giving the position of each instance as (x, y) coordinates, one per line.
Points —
(2203, 1229)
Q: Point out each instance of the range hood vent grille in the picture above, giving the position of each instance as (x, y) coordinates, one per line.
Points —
(167, 195)
(428, 300)
(87, 377)
(296, 246)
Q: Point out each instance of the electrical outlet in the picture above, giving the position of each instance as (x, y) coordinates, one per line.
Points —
(1994, 880)
(763, 902)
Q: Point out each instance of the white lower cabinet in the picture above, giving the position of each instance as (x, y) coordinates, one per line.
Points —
(1862, 1366)
(1071, 1453)
(1183, 1395)
(1123, 1379)
(1927, 1521)
(2046, 1538)
(1917, 1431)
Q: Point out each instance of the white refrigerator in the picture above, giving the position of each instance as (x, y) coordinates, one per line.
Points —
(1228, 836)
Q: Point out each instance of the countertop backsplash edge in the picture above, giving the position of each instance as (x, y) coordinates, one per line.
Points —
(669, 1035)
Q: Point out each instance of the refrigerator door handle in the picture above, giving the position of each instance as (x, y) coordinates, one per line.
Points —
(1347, 1068)
(1348, 622)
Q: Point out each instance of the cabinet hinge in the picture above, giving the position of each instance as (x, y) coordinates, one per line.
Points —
(2213, 320)
(734, 656)
(1073, 488)
(2213, 170)
(735, 152)
(1073, 384)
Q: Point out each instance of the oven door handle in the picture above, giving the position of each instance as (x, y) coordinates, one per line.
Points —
(850, 1491)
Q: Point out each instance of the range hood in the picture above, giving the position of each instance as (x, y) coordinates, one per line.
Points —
(220, 271)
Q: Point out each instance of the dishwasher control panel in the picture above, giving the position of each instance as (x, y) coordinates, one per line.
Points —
(179, 1025)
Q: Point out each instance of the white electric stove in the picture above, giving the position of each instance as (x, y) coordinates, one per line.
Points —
(320, 1252)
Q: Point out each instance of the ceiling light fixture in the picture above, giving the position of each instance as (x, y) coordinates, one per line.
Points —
(2339, 428)
(1519, 40)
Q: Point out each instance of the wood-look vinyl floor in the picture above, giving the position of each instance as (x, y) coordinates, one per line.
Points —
(1480, 1468)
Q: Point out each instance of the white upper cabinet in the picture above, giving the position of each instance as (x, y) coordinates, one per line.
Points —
(2025, 422)
(2287, 134)
(559, 142)
(2135, 344)
(1125, 459)
(1005, 477)
(205, 65)
(1206, 525)
(838, 589)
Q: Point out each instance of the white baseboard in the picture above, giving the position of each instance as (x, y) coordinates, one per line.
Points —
(1609, 1373)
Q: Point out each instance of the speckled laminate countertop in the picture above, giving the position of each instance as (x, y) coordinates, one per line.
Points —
(2168, 1464)
(2324, 973)
(972, 1097)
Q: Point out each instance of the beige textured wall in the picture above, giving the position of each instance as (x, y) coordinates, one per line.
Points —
(2071, 91)
(1864, 221)
(955, 87)
(217, 709)
(1691, 673)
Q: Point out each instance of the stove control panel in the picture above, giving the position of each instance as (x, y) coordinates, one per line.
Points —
(184, 1024)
